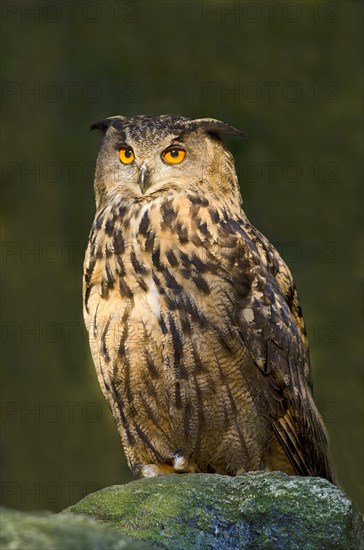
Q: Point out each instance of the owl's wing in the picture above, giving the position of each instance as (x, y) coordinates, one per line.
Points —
(270, 324)
(275, 265)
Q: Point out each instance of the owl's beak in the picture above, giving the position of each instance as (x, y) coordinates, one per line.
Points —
(143, 178)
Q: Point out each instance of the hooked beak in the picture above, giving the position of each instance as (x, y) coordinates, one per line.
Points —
(143, 178)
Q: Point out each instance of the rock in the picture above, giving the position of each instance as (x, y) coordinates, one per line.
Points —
(46, 531)
(203, 511)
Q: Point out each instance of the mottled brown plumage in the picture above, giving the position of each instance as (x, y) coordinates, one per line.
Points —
(195, 325)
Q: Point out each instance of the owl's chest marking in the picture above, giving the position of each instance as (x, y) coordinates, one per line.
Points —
(137, 276)
(168, 265)
(146, 309)
(162, 256)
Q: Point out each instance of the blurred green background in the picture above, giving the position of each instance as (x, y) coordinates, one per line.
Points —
(289, 75)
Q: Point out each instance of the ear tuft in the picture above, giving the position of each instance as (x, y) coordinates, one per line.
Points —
(105, 124)
(218, 128)
(102, 125)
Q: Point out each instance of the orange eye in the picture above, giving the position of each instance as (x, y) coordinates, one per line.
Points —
(126, 155)
(174, 155)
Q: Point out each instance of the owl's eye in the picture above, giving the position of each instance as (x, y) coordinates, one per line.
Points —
(126, 155)
(174, 155)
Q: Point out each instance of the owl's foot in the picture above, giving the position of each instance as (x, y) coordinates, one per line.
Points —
(180, 465)
(152, 470)
(183, 465)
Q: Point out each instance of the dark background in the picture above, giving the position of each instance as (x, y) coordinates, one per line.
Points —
(290, 75)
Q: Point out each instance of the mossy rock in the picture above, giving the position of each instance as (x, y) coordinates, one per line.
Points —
(46, 531)
(203, 511)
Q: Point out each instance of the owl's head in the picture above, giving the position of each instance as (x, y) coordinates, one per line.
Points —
(145, 156)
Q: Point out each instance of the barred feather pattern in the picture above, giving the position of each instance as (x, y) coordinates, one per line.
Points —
(198, 339)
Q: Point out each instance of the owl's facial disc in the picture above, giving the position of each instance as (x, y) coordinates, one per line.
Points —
(145, 169)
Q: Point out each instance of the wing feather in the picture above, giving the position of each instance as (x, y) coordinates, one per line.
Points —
(271, 325)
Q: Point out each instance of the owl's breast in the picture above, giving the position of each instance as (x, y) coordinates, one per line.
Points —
(168, 264)
(163, 304)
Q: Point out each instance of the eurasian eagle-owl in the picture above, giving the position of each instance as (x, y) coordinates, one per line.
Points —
(194, 321)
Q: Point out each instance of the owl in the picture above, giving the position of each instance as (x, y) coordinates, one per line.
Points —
(194, 321)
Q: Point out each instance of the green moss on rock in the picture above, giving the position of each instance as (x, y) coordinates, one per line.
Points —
(46, 531)
(257, 511)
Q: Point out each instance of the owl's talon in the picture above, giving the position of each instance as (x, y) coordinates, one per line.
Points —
(151, 470)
